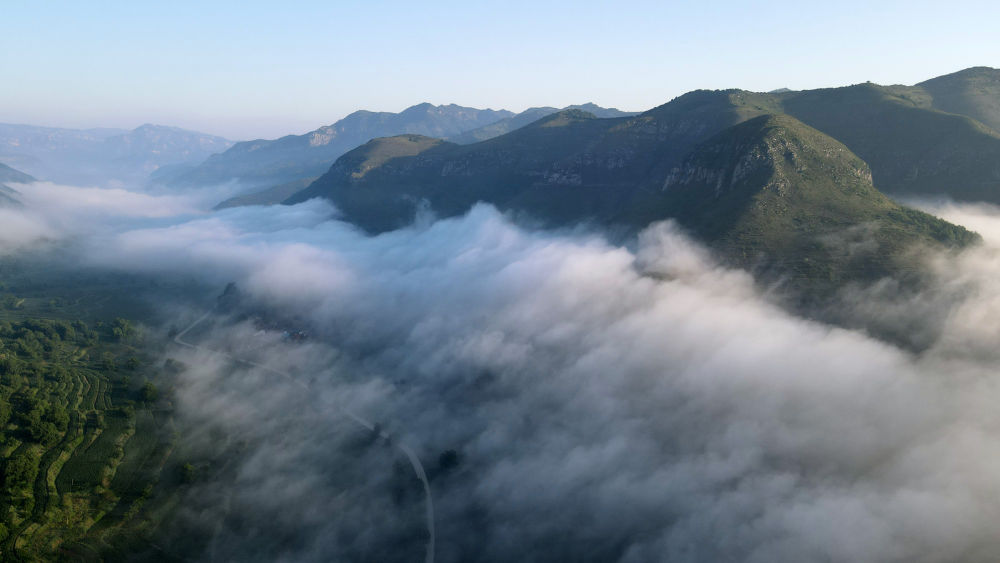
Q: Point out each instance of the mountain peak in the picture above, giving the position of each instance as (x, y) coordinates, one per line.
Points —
(421, 107)
(769, 143)
(564, 118)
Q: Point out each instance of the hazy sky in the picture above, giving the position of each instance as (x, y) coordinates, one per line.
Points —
(263, 69)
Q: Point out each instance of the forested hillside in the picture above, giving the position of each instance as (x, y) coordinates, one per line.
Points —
(83, 436)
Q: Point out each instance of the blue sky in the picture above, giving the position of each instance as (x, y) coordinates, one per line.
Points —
(264, 69)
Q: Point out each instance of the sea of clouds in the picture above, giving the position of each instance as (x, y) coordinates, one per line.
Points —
(607, 403)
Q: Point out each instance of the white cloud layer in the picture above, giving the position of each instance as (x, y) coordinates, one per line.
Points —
(607, 404)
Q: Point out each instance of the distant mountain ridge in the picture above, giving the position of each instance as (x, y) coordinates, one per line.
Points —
(169, 144)
(264, 163)
(316, 159)
(94, 156)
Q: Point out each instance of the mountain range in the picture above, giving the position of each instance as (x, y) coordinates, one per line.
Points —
(774, 181)
(265, 163)
(272, 170)
(102, 156)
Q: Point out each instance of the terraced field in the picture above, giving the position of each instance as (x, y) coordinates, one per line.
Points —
(81, 449)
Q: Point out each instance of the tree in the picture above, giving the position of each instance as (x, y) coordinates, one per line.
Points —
(122, 329)
(57, 415)
(45, 433)
(108, 362)
(149, 392)
(20, 471)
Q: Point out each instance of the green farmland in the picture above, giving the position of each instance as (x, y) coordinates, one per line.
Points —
(82, 444)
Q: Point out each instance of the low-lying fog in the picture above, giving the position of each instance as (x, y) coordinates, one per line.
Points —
(605, 403)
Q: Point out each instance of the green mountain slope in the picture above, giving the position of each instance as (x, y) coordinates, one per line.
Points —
(268, 196)
(973, 92)
(912, 150)
(378, 183)
(776, 195)
(785, 183)
(601, 160)
(770, 193)
(921, 140)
